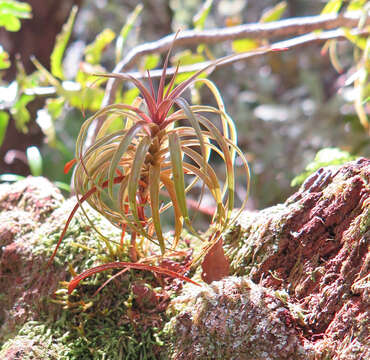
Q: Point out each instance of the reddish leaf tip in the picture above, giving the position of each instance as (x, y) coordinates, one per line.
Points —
(68, 166)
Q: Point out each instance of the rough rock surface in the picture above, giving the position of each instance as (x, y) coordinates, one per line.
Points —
(299, 290)
(235, 319)
(25, 206)
(315, 247)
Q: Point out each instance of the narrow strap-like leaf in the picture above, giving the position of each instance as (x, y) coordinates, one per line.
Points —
(122, 148)
(178, 217)
(135, 174)
(113, 107)
(224, 145)
(195, 124)
(154, 184)
(178, 173)
(163, 77)
(149, 100)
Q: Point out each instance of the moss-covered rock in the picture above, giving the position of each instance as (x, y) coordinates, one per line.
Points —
(37, 317)
(299, 288)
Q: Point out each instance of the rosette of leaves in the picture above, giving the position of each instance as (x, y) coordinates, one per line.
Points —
(162, 151)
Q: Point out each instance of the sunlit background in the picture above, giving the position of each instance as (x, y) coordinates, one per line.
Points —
(287, 105)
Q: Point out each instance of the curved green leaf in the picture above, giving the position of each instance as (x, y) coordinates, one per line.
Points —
(94, 51)
(121, 39)
(333, 6)
(135, 174)
(4, 119)
(121, 149)
(275, 13)
(178, 216)
(200, 17)
(61, 44)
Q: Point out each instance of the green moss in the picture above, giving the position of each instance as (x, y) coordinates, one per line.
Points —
(255, 238)
(81, 245)
(80, 326)
(108, 326)
(103, 339)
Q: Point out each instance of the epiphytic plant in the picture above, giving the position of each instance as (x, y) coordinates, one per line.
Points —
(135, 174)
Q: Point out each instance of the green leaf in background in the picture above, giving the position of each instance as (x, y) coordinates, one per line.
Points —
(151, 61)
(63, 186)
(4, 59)
(358, 40)
(61, 44)
(130, 95)
(324, 157)
(18, 9)
(333, 6)
(34, 160)
(4, 119)
(88, 99)
(20, 113)
(55, 106)
(11, 23)
(93, 52)
(356, 5)
(275, 13)
(48, 76)
(243, 45)
(11, 12)
(200, 17)
(187, 57)
(121, 39)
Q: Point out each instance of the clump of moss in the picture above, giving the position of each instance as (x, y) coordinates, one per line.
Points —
(255, 238)
(115, 324)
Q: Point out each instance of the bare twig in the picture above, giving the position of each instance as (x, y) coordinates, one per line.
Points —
(272, 30)
(285, 44)
(269, 31)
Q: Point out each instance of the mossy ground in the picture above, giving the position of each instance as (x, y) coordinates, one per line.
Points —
(309, 256)
(113, 324)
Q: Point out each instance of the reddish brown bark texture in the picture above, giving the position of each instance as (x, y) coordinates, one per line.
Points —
(315, 247)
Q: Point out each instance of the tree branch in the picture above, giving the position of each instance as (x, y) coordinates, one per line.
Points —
(285, 45)
(269, 31)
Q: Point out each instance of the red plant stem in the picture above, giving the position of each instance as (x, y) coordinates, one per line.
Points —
(120, 264)
(116, 180)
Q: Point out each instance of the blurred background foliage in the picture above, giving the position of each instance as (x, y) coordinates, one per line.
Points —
(287, 106)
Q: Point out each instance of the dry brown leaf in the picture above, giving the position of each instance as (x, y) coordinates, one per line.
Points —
(215, 264)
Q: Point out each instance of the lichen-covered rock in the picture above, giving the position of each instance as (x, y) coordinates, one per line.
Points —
(234, 319)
